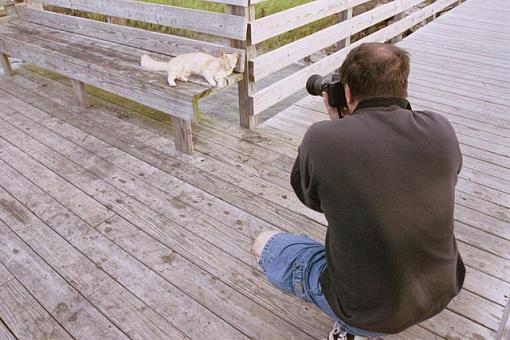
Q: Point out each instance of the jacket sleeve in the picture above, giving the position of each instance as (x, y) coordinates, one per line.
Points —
(303, 179)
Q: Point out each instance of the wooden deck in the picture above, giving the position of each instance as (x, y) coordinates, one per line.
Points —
(106, 232)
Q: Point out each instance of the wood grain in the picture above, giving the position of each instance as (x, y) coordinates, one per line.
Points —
(80, 93)
(276, 92)
(183, 135)
(267, 63)
(223, 25)
(73, 312)
(25, 317)
(6, 65)
(281, 22)
(230, 269)
(151, 41)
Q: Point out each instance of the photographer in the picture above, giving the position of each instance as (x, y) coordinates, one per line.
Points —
(384, 176)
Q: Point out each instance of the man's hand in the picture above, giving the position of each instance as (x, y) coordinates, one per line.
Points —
(332, 111)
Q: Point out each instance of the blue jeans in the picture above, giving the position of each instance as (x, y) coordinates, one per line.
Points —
(293, 263)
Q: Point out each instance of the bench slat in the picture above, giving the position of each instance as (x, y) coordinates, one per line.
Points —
(219, 24)
(53, 58)
(151, 41)
(120, 59)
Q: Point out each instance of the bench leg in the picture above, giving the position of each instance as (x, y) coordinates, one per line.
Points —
(79, 92)
(6, 65)
(183, 135)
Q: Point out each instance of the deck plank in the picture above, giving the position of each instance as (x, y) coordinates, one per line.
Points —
(216, 261)
(76, 315)
(117, 303)
(25, 317)
(163, 297)
(173, 232)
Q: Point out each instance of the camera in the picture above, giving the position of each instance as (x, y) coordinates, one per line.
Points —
(332, 85)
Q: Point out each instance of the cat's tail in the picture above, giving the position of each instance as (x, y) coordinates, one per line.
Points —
(152, 65)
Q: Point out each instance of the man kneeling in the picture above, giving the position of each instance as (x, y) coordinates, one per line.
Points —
(384, 176)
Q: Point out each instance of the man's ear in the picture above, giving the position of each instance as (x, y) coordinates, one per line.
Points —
(348, 94)
(351, 103)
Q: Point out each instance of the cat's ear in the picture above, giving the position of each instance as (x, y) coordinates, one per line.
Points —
(222, 54)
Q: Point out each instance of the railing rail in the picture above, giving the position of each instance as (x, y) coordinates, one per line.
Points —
(339, 34)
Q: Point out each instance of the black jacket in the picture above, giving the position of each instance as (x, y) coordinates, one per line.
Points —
(385, 179)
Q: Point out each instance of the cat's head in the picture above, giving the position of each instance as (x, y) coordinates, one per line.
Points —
(230, 60)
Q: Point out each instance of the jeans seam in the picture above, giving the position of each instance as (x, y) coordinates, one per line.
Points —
(263, 261)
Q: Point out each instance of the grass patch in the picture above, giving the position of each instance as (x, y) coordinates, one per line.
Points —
(263, 9)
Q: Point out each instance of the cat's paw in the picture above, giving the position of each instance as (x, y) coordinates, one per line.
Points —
(213, 83)
(220, 82)
(183, 78)
(171, 83)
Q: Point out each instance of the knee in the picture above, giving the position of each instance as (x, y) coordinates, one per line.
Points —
(260, 242)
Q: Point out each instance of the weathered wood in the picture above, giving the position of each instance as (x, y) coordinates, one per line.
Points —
(344, 16)
(6, 65)
(254, 321)
(73, 312)
(450, 326)
(5, 275)
(76, 201)
(64, 61)
(116, 20)
(6, 333)
(276, 59)
(149, 228)
(399, 37)
(141, 214)
(34, 4)
(115, 301)
(163, 297)
(270, 95)
(247, 86)
(25, 317)
(183, 136)
(223, 25)
(80, 93)
(281, 22)
(151, 41)
(504, 327)
(232, 174)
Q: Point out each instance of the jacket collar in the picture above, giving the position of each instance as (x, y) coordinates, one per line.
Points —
(382, 102)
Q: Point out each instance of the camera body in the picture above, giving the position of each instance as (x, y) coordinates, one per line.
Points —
(332, 85)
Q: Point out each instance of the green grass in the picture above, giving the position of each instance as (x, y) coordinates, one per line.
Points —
(263, 9)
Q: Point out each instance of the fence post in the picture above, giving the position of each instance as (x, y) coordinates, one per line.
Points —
(34, 4)
(399, 37)
(342, 16)
(247, 85)
(115, 20)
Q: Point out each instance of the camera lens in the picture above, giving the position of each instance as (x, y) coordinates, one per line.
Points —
(314, 85)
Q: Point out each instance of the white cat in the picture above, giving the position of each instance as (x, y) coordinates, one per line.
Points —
(213, 69)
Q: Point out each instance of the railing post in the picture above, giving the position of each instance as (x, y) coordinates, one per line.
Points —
(115, 20)
(400, 36)
(6, 65)
(247, 85)
(342, 16)
(34, 4)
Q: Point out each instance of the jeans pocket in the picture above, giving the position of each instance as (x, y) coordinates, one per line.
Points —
(298, 282)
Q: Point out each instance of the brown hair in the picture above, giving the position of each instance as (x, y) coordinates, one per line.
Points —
(376, 70)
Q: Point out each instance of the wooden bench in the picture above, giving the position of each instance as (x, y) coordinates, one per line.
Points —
(107, 54)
